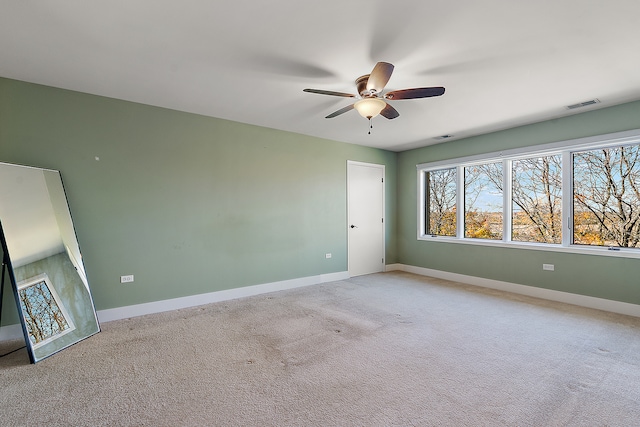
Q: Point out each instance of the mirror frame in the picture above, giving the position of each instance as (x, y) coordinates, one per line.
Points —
(69, 312)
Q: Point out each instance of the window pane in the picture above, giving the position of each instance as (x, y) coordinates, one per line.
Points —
(43, 317)
(606, 197)
(537, 200)
(483, 201)
(441, 196)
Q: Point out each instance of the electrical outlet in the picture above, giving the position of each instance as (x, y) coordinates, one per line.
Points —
(327, 256)
(126, 279)
(548, 267)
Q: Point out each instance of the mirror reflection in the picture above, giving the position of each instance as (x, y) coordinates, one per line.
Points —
(45, 265)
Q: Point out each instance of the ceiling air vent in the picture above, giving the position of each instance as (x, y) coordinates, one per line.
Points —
(440, 138)
(583, 104)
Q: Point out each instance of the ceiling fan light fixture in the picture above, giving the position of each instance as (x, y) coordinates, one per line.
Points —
(370, 87)
(370, 107)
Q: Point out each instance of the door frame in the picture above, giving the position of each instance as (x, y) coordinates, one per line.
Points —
(384, 213)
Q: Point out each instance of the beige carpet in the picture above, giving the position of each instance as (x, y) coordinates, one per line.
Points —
(390, 349)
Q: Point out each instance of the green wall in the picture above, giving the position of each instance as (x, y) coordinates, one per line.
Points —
(192, 204)
(598, 276)
(186, 203)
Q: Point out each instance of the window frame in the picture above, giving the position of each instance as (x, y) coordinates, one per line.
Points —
(563, 148)
(510, 199)
(427, 195)
(44, 278)
(463, 197)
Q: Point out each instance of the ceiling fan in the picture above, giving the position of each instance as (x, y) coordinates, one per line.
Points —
(372, 101)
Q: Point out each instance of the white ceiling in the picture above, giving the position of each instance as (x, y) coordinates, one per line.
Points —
(503, 62)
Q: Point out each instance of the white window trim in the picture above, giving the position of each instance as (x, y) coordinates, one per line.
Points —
(562, 147)
(45, 278)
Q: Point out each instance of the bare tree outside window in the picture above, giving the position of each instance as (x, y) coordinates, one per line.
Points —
(536, 196)
(483, 201)
(601, 195)
(606, 197)
(43, 315)
(441, 196)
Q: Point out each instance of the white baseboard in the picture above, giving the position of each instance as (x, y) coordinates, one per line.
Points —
(394, 267)
(15, 331)
(229, 294)
(532, 291)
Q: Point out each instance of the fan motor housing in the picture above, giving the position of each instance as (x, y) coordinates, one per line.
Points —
(361, 85)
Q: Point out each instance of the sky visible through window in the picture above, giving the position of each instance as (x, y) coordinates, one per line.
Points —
(603, 196)
(43, 315)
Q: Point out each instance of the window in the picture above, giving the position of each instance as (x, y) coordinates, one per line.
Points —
(441, 193)
(483, 201)
(536, 197)
(606, 197)
(572, 196)
(45, 317)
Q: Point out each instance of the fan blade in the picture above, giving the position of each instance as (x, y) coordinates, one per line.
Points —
(329, 92)
(389, 112)
(419, 92)
(380, 76)
(340, 111)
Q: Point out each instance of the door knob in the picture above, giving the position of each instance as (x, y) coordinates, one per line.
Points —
(353, 226)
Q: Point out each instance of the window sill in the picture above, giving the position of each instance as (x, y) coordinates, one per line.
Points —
(573, 249)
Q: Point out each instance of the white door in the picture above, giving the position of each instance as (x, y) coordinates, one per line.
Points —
(365, 206)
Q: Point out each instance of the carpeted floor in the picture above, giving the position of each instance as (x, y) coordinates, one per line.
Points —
(390, 349)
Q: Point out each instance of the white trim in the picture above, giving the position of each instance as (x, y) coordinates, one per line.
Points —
(393, 267)
(507, 207)
(12, 332)
(567, 202)
(532, 291)
(383, 213)
(371, 165)
(421, 199)
(44, 278)
(563, 148)
(547, 247)
(218, 296)
(597, 141)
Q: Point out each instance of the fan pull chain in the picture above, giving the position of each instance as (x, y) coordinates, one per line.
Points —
(370, 125)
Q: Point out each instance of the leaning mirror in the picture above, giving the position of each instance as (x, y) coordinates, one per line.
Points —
(43, 262)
